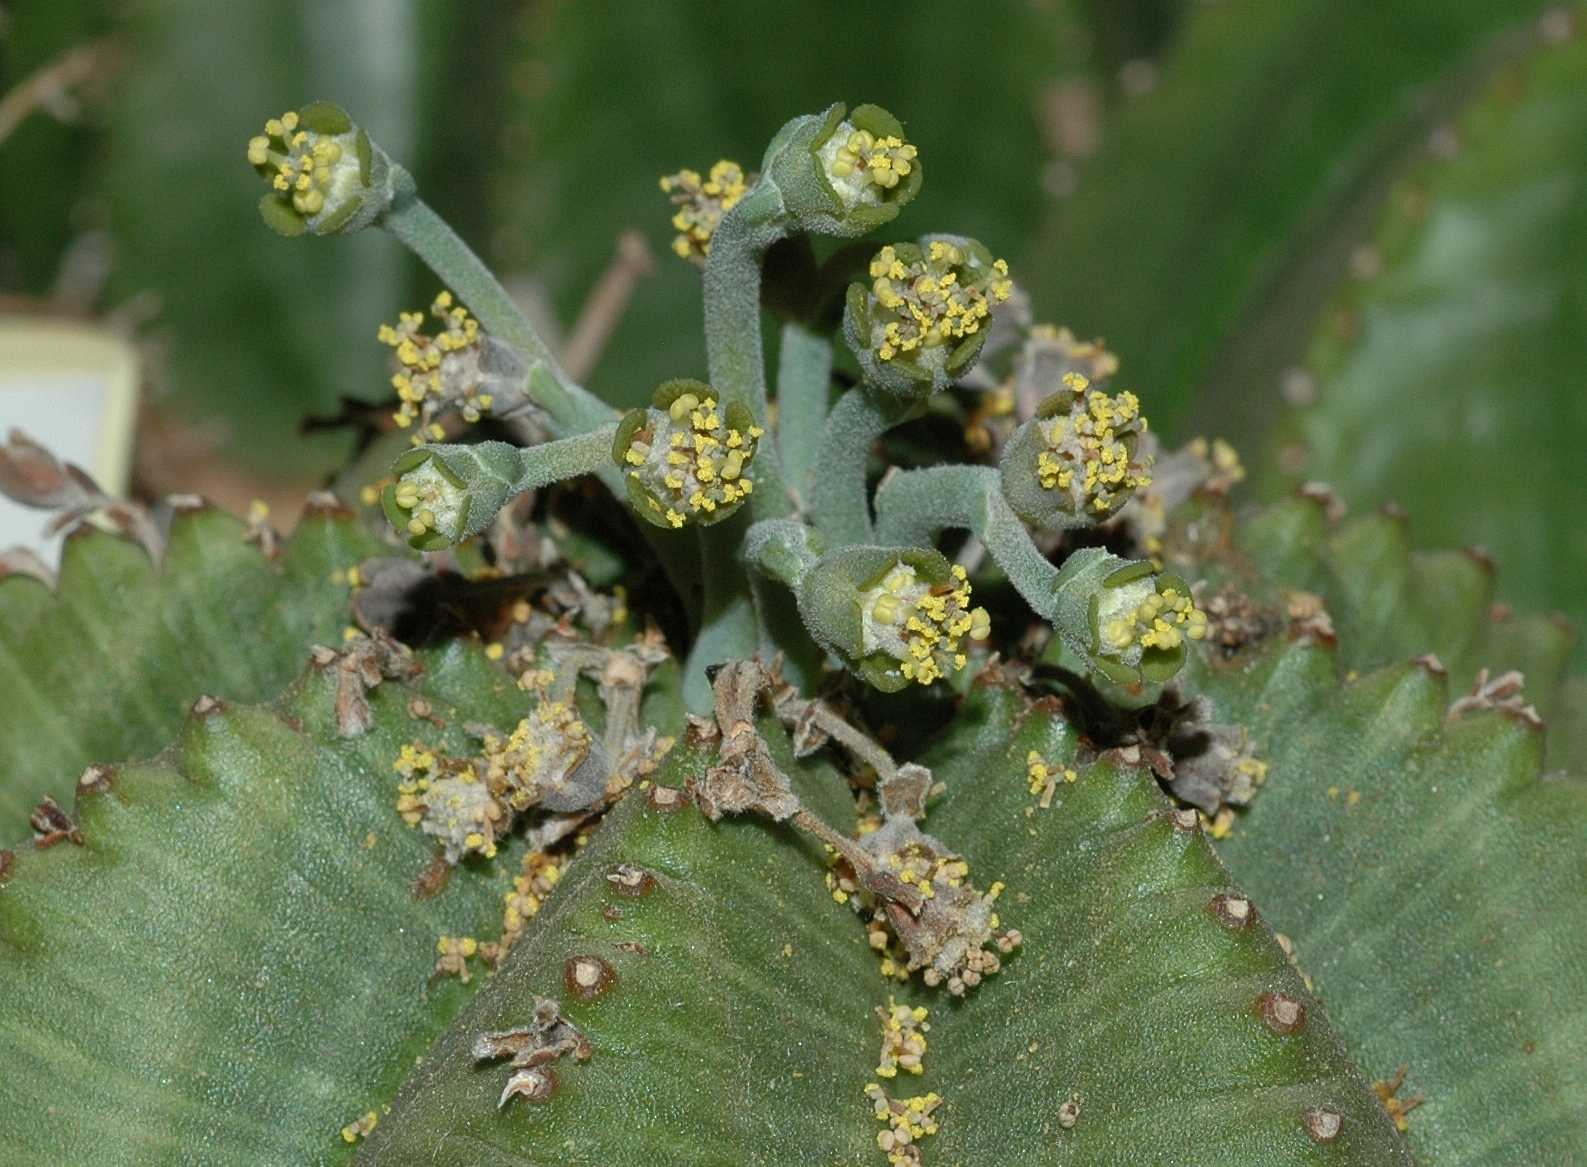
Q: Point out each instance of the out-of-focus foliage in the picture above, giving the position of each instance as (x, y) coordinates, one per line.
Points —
(1213, 212)
(1451, 374)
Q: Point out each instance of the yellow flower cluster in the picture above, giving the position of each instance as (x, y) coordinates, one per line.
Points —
(690, 461)
(921, 626)
(903, 1039)
(1163, 619)
(933, 299)
(701, 203)
(1085, 453)
(882, 162)
(304, 162)
(908, 1121)
(1040, 775)
(436, 372)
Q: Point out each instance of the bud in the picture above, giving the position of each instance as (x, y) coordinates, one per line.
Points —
(458, 368)
(1075, 462)
(895, 616)
(844, 173)
(325, 175)
(920, 324)
(687, 458)
(701, 203)
(443, 494)
(1140, 623)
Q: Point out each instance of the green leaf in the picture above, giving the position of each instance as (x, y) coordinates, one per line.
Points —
(236, 956)
(1389, 603)
(1430, 879)
(1216, 207)
(1450, 382)
(740, 1027)
(104, 667)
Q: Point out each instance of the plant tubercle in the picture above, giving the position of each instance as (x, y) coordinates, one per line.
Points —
(743, 490)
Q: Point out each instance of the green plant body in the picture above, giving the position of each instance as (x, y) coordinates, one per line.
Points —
(1029, 801)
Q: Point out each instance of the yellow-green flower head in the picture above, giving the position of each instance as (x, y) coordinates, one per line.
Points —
(843, 173)
(440, 371)
(921, 320)
(1140, 624)
(863, 166)
(427, 502)
(918, 627)
(1077, 458)
(701, 203)
(687, 459)
(325, 176)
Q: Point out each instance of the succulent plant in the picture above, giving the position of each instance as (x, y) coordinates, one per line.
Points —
(1034, 803)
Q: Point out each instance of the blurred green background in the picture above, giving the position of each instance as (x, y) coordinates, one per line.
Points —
(1297, 223)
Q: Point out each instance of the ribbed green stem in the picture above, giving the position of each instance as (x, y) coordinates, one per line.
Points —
(804, 382)
(837, 487)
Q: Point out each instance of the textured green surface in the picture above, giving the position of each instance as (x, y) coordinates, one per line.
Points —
(720, 1045)
(1452, 382)
(1390, 603)
(1140, 1003)
(234, 964)
(1215, 209)
(103, 668)
(1432, 883)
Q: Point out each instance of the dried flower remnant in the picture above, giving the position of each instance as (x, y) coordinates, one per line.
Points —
(453, 955)
(456, 369)
(908, 1121)
(903, 1039)
(534, 1049)
(952, 933)
(361, 1127)
(1398, 1108)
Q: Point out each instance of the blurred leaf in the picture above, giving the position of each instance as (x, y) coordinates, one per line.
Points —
(609, 96)
(42, 207)
(257, 331)
(1454, 380)
(1218, 200)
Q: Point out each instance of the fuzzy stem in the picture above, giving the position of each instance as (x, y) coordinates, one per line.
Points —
(572, 408)
(913, 507)
(837, 493)
(804, 379)
(736, 365)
